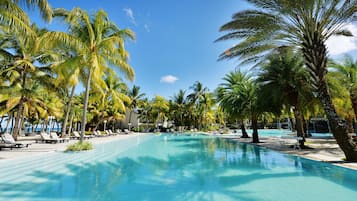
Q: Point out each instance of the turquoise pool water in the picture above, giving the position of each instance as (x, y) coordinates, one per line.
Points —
(177, 168)
(270, 132)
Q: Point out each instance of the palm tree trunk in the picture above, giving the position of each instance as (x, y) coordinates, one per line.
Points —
(85, 106)
(244, 131)
(338, 126)
(354, 103)
(255, 129)
(315, 54)
(17, 127)
(299, 125)
(68, 109)
(70, 123)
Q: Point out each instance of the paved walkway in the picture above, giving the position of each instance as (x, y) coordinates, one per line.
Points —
(322, 149)
(42, 148)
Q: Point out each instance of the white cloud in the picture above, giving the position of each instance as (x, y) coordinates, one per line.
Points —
(340, 44)
(129, 12)
(168, 79)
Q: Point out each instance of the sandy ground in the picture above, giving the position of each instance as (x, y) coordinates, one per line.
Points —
(322, 149)
(43, 148)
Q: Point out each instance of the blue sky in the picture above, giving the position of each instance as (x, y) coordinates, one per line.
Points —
(174, 45)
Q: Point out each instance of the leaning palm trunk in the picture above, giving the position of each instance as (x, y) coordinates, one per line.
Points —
(17, 125)
(70, 124)
(315, 54)
(354, 102)
(255, 129)
(68, 109)
(244, 131)
(85, 106)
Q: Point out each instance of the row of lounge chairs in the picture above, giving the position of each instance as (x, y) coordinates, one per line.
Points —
(7, 141)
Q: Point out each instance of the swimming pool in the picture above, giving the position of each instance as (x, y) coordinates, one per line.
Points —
(177, 168)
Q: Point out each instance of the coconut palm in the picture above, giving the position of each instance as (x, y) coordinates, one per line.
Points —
(135, 96)
(346, 73)
(305, 24)
(14, 18)
(99, 43)
(195, 99)
(160, 108)
(111, 99)
(284, 81)
(27, 60)
(238, 97)
(178, 107)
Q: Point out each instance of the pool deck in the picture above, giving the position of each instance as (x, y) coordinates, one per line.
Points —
(44, 148)
(321, 149)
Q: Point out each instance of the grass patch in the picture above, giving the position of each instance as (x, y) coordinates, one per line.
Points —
(80, 146)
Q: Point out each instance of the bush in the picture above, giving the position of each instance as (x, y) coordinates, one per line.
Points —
(80, 146)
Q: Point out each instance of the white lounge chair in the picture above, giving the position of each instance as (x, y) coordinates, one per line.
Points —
(110, 131)
(47, 138)
(98, 134)
(54, 135)
(10, 142)
(78, 136)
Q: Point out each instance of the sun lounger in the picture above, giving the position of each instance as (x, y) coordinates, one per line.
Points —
(10, 141)
(54, 135)
(47, 138)
(78, 136)
(107, 133)
(110, 131)
(100, 134)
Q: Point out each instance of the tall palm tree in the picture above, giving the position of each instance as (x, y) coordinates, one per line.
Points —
(346, 73)
(238, 97)
(305, 24)
(99, 43)
(135, 95)
(284, 81)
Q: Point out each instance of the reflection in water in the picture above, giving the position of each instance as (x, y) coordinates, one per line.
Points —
(181, 168)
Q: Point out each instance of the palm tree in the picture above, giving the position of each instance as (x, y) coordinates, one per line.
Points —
(284, 81)
(135, 96)
(160, 108)
(27, 59)
(111, 98)
(195, 99)
(305, 24)
(346, 72)
(99, 43)
(178, 107)
(11, 14)
(238, 97)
